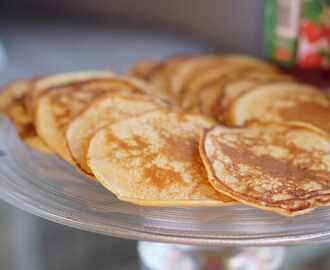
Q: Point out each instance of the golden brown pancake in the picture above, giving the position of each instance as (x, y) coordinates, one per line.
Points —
(170, 72)
(215, 75)
(230, 91)
(192, 67)
(283, 168)
(228, 66)
(187, 70)
(12, 105)
(242, 60)
(106, 110)
(43, 84)
(208, 97)
(235, 86)
(153, 160)
(142, 70)
(56, 109)
(156, 73)
(175, 76)
(177, 67)
(282, 102)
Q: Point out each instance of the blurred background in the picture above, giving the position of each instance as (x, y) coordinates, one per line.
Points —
(45, 36)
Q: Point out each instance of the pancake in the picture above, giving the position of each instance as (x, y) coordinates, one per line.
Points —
(284, 168)
(153, 160)
(240, 60)
(216, 75)
(173, 76)
(43, 84)
(156, 73)
(236, 86)
(170, 69)
(214, 100)
(184, 72)
(56, 109)
(142, 70)
(108, 109)
(204, 64)
(12, 105)
(208, 97)
(282, 102)
(227, 67)
(231, 90)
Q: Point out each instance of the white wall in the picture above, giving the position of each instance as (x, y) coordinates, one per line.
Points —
(231, 25)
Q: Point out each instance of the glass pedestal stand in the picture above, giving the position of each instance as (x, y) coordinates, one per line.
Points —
(159, 256)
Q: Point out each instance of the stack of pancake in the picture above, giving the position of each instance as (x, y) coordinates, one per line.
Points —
(192, 131)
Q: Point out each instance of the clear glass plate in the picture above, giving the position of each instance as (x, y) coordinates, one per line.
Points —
(48, 187)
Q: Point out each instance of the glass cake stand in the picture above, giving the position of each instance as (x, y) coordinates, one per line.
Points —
(201, 238)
